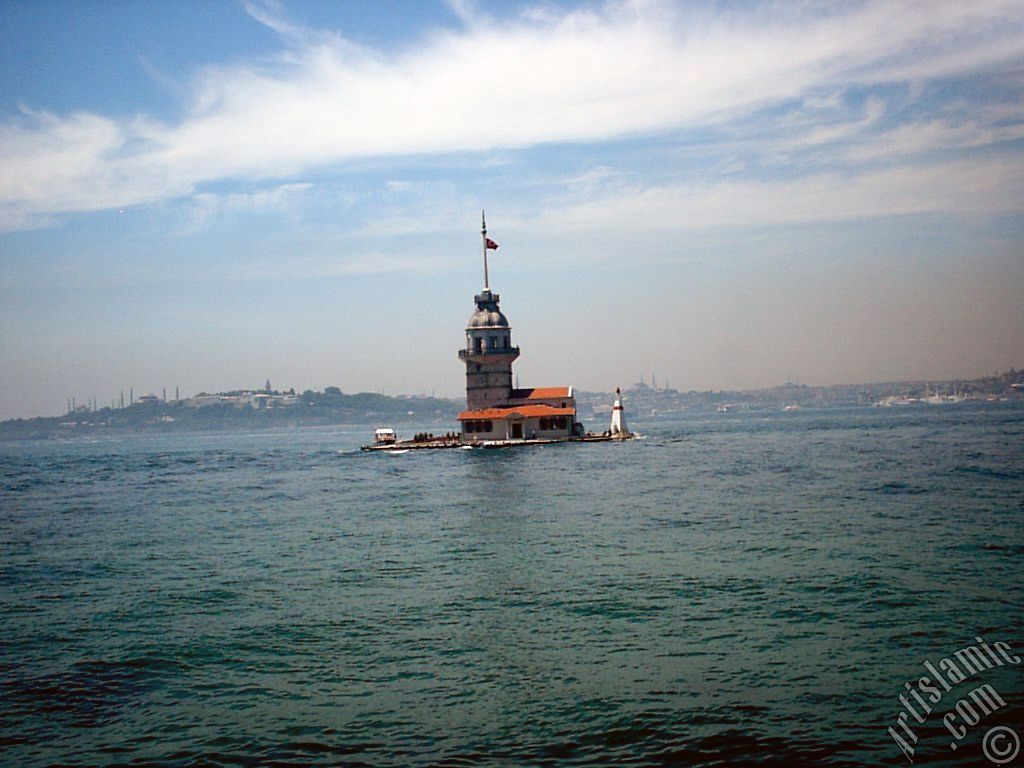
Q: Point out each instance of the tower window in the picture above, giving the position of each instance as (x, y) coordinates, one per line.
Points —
(478, 344)
(494, 342)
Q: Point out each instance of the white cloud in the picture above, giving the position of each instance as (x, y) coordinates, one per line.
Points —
(590, 75)
(931, 136)
(966, 188)
(207, 205)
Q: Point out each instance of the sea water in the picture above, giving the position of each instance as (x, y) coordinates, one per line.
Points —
(748, 588)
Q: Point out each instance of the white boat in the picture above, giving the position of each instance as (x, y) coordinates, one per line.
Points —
(934, 398)
(894, 400)
(384, 436)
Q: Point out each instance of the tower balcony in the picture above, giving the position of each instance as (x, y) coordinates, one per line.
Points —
(488, 354)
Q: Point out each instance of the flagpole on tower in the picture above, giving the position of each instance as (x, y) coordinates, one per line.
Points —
(483, 234)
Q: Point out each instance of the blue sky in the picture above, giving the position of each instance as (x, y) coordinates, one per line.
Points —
(205, 195)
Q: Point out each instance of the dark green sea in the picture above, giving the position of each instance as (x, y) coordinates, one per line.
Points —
(733, 589)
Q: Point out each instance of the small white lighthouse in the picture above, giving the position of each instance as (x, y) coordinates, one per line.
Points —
(618, 428)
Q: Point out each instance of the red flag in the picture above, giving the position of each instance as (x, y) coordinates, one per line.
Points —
(491, 245)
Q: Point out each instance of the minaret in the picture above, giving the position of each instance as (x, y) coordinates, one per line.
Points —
(618, 427)
(489, 353)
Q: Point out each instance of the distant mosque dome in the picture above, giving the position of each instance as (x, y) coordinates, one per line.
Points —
(485, 317)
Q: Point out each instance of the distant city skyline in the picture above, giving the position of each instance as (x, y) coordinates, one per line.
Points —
(205, 195)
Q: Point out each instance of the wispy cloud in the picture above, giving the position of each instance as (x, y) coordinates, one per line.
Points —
(206, 205)
(590, 75)
(966, 188)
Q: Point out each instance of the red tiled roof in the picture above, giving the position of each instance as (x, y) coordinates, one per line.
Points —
(517, 410)
(540, 393)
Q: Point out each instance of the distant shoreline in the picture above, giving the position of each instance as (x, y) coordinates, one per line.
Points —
(332, 409)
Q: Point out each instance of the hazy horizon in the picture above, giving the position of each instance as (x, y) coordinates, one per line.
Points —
(208, 195)
(170, 394)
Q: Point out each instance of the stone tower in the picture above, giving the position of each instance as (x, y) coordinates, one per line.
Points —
(489, 353)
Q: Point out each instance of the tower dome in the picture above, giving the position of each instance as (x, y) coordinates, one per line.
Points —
(487, 317)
